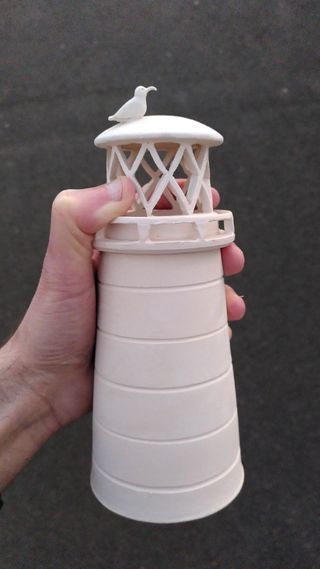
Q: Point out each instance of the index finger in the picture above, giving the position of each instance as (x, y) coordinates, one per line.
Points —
(163, 203)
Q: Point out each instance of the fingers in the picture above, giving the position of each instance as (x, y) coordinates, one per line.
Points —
(163, 203)
(233, 262)
(214, 192)
(78, 214)
(236, 307)
(232, 259)
(93, 208)
(95, 258)
(215, 197)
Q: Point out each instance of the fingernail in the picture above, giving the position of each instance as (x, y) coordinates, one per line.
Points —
(114, 190)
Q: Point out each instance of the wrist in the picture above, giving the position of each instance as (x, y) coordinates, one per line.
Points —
(26, 418)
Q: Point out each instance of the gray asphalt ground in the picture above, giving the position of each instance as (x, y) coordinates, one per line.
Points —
(248, 69)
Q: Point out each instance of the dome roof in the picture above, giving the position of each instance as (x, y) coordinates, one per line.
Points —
(159, 128)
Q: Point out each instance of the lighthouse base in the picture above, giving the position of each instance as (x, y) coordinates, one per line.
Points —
(165, 425)
(172, 505)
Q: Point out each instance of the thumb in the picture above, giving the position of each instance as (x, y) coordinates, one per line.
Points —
(76, 216)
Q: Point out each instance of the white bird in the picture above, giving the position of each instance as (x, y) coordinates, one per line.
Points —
(135, 108)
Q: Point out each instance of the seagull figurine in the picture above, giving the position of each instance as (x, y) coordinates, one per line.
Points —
(135, 108)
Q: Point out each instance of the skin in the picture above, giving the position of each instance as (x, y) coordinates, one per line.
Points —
(46, 368)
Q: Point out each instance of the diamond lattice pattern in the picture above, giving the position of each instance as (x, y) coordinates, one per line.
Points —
(159, 168)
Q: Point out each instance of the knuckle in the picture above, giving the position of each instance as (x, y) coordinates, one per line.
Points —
(63, 202)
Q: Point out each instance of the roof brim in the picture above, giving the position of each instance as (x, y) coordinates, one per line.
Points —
(159, 128)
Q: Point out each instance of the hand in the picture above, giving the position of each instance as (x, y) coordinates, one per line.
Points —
(233, 263)
(47, 366)
(232, 259)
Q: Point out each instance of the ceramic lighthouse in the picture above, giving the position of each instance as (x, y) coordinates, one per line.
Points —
(165, 426)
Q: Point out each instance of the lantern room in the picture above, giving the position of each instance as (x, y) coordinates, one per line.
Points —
(155, 152)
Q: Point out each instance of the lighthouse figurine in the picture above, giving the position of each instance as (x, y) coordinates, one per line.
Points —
(165, 427)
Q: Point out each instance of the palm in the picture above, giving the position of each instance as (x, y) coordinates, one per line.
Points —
(58, 332)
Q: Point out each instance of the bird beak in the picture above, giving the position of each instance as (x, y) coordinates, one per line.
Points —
(151, 89)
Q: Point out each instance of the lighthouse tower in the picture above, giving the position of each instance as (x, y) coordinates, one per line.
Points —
(165, 426)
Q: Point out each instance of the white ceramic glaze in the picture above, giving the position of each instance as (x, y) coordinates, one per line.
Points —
(188, 411)
(159, 128)
(165, 427)
(135, 108)
(153, 464)
(168, 505)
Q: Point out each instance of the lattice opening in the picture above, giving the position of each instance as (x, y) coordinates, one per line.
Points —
(154, 170)
(148, 172)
